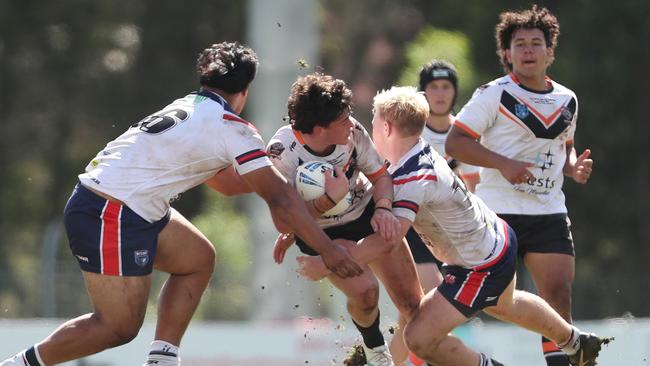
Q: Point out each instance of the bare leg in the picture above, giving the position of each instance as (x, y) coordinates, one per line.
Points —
(553, 275)
(430, 278)
(531, 312)
(362, 294)
(189, 257)
(119, 305)
(427, 334)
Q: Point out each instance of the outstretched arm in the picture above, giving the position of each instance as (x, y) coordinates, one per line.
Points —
(366, 251)
(290, 215)
(228, 182)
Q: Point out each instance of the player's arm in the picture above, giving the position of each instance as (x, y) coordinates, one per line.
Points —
(577, 167)
(365, 252)
(383, 221)
(228, 182)
(290, 215)
(336, 187)
(464, 147)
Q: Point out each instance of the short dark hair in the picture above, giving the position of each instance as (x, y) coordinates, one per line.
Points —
(228, 66)
(439, 70)
(317, 100)
(540, 18)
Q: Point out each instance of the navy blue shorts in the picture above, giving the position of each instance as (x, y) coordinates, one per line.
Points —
(108, 238)
(471, 290)
(354, 230)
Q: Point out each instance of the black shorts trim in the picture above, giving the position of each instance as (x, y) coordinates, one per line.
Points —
(353, 230)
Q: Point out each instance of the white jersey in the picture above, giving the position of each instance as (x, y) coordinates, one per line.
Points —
(437, 140)
(457, 225)
(524, 125)
(287, 150)
(173, 150)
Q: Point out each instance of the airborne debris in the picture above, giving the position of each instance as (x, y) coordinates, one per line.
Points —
(356, 356)
(303, 63)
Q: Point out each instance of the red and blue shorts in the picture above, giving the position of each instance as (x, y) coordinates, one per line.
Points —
(107, 237)
(470, 290)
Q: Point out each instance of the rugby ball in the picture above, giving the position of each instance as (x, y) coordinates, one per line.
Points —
(310, 183)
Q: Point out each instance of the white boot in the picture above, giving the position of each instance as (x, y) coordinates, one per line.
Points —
(378, 356)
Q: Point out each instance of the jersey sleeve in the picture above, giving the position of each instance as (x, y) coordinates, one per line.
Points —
(574, 123)
(244, 145)
(480, 112)
(409, 196)
(370, 162)
(282, 157)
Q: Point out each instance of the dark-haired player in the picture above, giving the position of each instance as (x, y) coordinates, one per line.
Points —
(526, 123)
(120, 224)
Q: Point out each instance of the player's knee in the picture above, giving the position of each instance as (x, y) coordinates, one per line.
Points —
(209, 258)
(120, 336)
(366, 299)
(420, 341)
(558, 292)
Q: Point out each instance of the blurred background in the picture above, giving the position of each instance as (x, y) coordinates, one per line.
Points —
(76, 74)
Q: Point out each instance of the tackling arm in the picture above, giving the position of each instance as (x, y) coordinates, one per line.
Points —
(289, 214)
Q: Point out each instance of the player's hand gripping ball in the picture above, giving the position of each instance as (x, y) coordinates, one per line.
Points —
(310, 183)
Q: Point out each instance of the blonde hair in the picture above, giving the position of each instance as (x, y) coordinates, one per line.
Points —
(404, 107)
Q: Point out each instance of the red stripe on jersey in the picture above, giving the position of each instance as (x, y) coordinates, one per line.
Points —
(471, 287)
(466, 128)
(406, 204)
(378, 173)
(232, 117)
(250, 155)
(546, 120)
(415, 177)
(110, 241)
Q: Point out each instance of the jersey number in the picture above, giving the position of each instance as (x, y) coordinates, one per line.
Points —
(162, 121)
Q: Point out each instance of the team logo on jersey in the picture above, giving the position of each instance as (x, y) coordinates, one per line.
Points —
(141, 257)
(521, 111)
(567, 114)
(275, 150)
(450, 279)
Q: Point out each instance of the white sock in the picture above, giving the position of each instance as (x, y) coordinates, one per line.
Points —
(572, 344)
(165, 348)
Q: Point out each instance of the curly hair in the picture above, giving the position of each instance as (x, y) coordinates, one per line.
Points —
(317, 100)
(540, 18)
(228, 66)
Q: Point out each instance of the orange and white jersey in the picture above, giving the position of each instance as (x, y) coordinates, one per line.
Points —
(528, 126)
(173, 150)
(437, 141)
(457, 225)
(287, 151)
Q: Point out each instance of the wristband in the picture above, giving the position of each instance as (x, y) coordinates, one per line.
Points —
(383, 208)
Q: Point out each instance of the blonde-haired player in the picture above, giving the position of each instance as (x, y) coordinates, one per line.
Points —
(478, 249)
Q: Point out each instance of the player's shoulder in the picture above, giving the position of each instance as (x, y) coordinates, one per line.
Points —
(283, 141)
(561, 89)
(494, 87)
